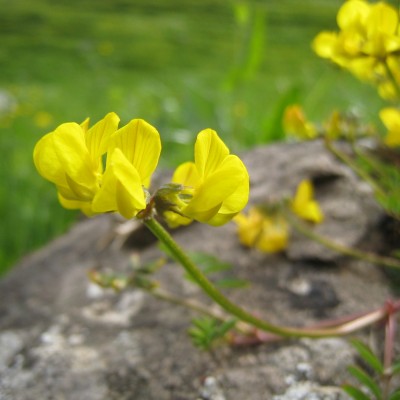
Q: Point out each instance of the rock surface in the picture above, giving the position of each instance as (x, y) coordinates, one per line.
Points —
(62, 337)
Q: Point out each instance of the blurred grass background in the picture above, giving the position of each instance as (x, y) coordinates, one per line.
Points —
(183, 65)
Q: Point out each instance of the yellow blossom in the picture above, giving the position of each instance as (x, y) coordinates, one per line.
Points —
(132, 157)
(213, 189)
(391, 119)
(71, 158)
(296, 124)
(42, 119)
(216, 184)
(368, 36)
(303, 204)
(267, 233)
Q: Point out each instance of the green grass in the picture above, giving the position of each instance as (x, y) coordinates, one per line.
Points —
(183, 65)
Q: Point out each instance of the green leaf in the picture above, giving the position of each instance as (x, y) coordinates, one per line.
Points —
(209, 263)
(355, 393)
(368, 356)
(206, 331)
(365, 380)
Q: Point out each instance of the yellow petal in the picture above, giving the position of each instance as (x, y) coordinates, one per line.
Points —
(85, 207)
(174, 220)
(80, 192)
(217, 187)
(390, 116)
(210, 151)
(392, 139)
(381, 18)
(352, 14)
(233, 204)
(141, 145)
(186, 174)
(295, 123)
(274, 235)
(121, 189)
(325, 43)
(70, 146)
(311, 212)
(304, 193)
(47, 162)
(249, 226)
(304, 206)
(97, 137)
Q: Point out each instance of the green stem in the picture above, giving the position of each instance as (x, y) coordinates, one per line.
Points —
(242, 314)
(191, 304)
(350, 163)
(339, 248)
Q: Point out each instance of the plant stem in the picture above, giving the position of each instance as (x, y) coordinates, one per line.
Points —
(339, 248)
(191, 304)
(242, 314)
(351, 164)
(390, 334)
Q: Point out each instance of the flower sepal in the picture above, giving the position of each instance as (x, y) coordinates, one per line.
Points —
(168, 201)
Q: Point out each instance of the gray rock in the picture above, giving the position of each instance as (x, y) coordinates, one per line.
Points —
(63, 338)
(311, 391)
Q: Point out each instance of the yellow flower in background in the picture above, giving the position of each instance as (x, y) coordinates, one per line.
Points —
(42, 119)
(267, 233)
(366, 30)
(132, 157)
(274, 236)
(71, 158)
(296, 124)
(391, 118)
(368, 37)
(216, 184)
(304, 205)
(381, 31)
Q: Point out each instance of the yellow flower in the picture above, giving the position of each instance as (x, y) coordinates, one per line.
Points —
(42, 119)
(381, 31)
(132, 157)
(303, 204)
(368, 36)
(295, 123)
(213, 189)
(365, 30)
(391, 119)
(70, 157)
(216, 184)
(267, 233)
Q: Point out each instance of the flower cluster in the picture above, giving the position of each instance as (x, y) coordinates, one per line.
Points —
(367, 44)
(266, 228)
(213, 189)
(338, 125)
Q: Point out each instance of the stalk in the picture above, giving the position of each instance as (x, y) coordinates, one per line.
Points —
(243, 315)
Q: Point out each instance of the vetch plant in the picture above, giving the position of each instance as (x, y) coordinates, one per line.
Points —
(106, 168)
(213, 189)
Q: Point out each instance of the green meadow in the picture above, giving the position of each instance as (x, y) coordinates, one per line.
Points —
(183, 65)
